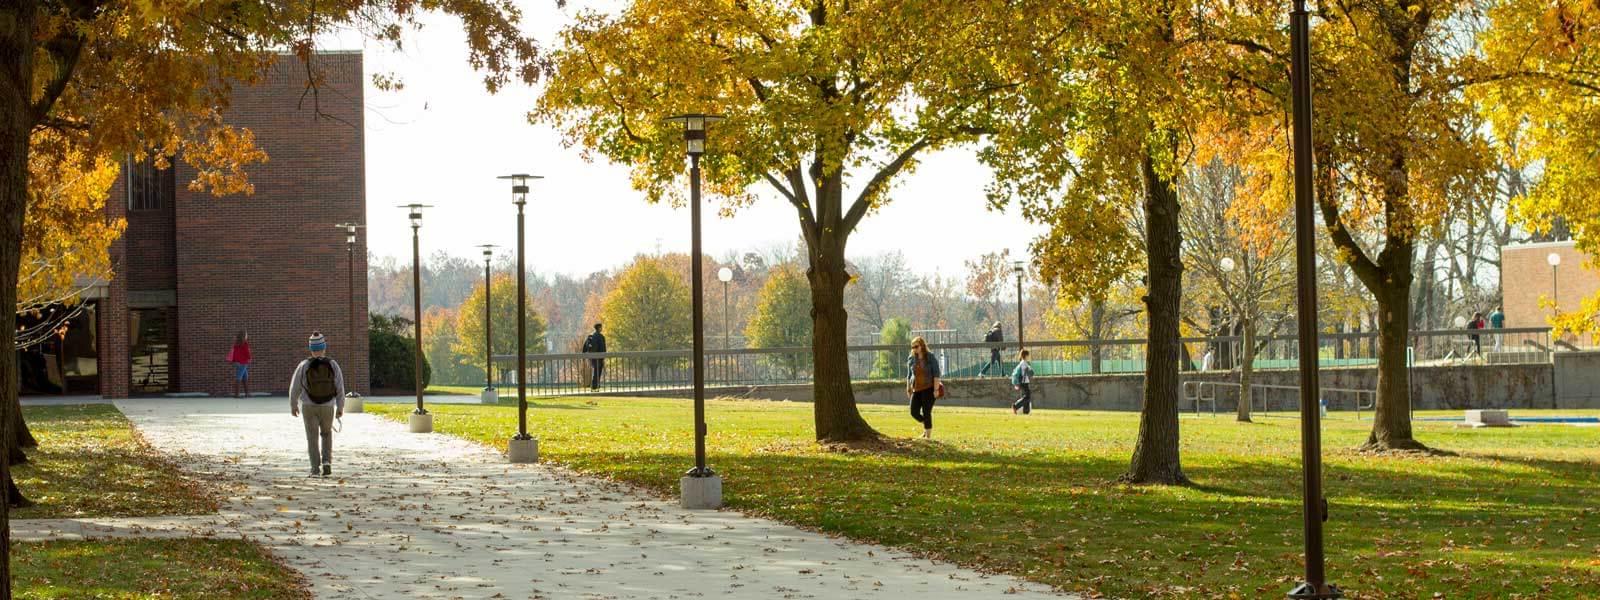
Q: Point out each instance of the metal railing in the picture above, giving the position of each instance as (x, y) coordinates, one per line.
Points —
(1194, 392)
(572, 373)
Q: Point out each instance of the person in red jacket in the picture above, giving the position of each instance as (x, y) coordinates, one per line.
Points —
(239, 356)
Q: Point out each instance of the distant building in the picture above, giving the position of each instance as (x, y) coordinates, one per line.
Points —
(1526, 277)
(192, 269)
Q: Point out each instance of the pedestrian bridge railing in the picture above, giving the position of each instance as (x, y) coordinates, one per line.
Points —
(573, 373)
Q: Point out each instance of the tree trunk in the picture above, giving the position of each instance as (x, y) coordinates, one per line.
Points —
(1097, 317)
(1246, 367)
(1391, 423)
(835, 411)
(16, 124)
(1155, 457)
(24, 435)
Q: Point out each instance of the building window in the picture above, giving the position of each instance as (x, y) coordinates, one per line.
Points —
(149, 188)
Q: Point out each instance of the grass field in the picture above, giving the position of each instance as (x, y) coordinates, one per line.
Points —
(91, 463)
(1512, 515)
(196, 569)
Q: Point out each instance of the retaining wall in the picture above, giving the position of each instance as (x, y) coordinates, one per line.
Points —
(1445, 387)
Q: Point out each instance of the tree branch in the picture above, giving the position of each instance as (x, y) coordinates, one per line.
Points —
(858, 209)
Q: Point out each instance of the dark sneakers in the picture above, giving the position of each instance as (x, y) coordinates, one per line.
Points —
(327, 469)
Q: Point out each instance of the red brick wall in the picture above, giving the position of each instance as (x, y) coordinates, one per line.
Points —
(270, 263)
(112, 311)
(1525, 279)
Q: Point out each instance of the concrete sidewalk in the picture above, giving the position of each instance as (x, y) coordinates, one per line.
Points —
(433, 516)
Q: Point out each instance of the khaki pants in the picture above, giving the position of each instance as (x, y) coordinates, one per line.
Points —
(319, 427)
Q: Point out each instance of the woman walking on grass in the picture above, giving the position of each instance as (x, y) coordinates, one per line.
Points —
(239, 357)
(922, 382)
(1021, 377)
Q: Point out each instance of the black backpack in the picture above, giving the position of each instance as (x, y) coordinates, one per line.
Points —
(320, 384)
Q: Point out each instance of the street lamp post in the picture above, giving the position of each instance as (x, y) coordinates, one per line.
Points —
(1017, 267)
(522, 448)
(1314, 507)
(352, 399)
(725, 275)
(421, 421)
(700, 487)
(1555, 261)
(490, 395)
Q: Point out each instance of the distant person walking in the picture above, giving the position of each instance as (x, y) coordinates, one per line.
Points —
(994, 335)
(239, 357)
(922, 383)
(1021, 378)
(1475, 324)
(319, 382)
(595, 343)
(1497, 320)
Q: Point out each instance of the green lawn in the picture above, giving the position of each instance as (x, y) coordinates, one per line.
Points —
(202, 569)
(91, 463)
(1514, 514)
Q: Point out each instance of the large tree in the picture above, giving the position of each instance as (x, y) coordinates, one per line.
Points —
(1539, 84)
(828, 101)
(1093, 144)
(1243, 261)
(648, 309)
(94, 80)
(1397, 146)
(782, 319)
(469, 328)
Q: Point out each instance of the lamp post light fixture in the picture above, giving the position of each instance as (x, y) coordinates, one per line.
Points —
(522, 448)
(1555, 261)
(1313, 506)
(352, 399)
(700, 487)
(421, 421)
(1019, 267)
(725, 275)
(490, 395)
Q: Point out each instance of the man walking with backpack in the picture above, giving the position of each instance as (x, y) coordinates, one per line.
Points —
(596, 342)
(319, 380)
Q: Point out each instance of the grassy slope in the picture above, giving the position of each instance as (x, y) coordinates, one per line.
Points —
(151, 569)
(1512, 515)
(91, 463)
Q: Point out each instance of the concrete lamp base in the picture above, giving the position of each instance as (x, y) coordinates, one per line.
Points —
(422, 423)
(701, 493)
(353, 403)
(523, 451)
(489, 396)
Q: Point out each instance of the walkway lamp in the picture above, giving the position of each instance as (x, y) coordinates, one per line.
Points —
(522, 448)
(421, 421)
(725, 275)
(1555, 261)
(352, 399)
(1314, 507)
(1019, 267)
(489, 395)
(700, 487)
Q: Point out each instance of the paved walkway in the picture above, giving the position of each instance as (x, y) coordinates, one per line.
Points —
(433, 516)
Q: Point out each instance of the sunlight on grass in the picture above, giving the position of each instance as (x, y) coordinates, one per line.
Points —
(201, 569)
(91, 463)
(1035, 496)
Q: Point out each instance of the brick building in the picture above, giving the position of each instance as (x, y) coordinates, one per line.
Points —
(192, 269)
(1526, 277)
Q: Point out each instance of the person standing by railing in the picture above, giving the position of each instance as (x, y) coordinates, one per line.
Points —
(922, 383)
(595, 343)
(994, 335)
(1021, 378)
(1497, 320)
(1477, 341)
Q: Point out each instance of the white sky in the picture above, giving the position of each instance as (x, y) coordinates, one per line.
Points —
(443, 139)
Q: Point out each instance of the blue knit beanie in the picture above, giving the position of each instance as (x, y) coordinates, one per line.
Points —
(317, 343)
